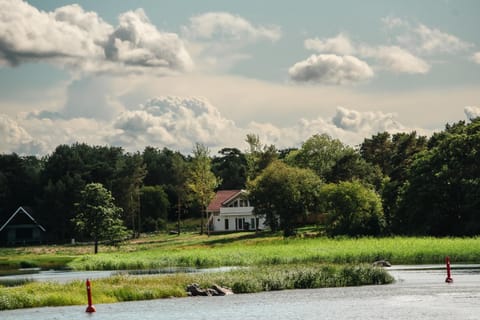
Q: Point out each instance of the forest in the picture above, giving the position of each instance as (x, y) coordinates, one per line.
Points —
(390, 184)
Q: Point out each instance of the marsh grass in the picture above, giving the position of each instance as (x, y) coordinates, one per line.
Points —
(247, 280)
(277, 251)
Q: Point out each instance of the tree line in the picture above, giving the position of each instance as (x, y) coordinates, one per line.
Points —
(399, 183)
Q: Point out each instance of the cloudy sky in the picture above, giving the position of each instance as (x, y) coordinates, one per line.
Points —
(172, 73)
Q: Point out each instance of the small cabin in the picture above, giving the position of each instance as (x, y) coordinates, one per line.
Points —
(21, 228)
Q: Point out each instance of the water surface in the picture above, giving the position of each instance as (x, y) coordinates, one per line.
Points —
(419, 293)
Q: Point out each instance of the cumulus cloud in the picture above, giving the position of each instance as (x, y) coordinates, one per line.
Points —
(355, 121)
(340, 44)
(388, 58)
(472, 112)
(175, 122)
(16, 139)
(396, 59)
(331, 69)
(69, 36)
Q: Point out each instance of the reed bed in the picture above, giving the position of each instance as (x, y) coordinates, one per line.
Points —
(247, 280)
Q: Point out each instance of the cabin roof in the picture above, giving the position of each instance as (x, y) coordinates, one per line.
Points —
(22, 210)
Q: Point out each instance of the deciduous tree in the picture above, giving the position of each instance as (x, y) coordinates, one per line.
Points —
(97, 216)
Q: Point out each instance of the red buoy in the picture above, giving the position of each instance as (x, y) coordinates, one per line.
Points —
(449, 275)
(90, 307)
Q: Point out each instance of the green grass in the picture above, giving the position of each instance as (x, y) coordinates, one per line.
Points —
(251, 251)
(129, 288)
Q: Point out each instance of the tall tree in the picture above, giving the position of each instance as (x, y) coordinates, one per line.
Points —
(201, 180)
(97, 216)
(126, 189)
(258, 156)
(154, 207)
(319, 153)
(284, 195)
(231, 167)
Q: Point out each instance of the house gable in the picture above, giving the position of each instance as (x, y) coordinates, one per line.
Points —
(21, 228)
(220, 198)
(21, 216)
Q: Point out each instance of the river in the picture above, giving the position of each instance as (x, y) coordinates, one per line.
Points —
(418, 293)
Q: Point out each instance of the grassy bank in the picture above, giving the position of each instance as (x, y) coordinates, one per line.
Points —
(220, 251)
(241, 249)
(129, 288)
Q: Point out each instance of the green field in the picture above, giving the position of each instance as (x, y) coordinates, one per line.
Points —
(242, 249)
(269, 262)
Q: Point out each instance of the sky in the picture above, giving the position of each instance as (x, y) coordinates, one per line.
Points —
(174, 73)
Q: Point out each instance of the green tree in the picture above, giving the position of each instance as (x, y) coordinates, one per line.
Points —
(231, 167)
(201, 181)
(154, 207)
(352, 209)
(319, 153)
(442, 194)
(97, 217)
(284, 195)
(258, 156)
(126, 189)
(352, 166)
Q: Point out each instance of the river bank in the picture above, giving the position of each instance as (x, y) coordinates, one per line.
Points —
(246, 280)
(416, 294)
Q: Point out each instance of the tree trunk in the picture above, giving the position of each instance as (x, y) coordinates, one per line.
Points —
(201, 220)
(96, 247)
(179, 208)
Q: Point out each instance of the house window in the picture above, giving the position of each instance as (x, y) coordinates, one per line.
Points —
(226, 224)
(240, 224)
(252, 223)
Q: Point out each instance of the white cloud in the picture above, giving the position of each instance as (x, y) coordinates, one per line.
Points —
(218, 39)
(355, 121)
(16, 139)
(136, 42)
(71, 37)
(389, 58)
(476, 57)
(340, 44)
(396, 59)
(228, 27)
(472, 112)
(331, 69)
(424, 39)
(175, 122)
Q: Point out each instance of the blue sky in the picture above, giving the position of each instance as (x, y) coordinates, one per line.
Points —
(172, 73)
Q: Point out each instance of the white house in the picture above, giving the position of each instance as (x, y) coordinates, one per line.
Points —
(231, 211)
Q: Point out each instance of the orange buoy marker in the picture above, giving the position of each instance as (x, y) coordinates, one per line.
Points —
(90, 307)
(449, 275)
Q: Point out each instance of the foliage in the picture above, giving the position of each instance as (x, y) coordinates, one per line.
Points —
(352, 209)
(286, 194)
(442, 196)
(201, 181)
(319, 153)
(154, 207)
(258, 156)
(97, 216)
(231, 168)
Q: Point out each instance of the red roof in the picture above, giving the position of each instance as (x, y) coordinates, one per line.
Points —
(220, 197)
